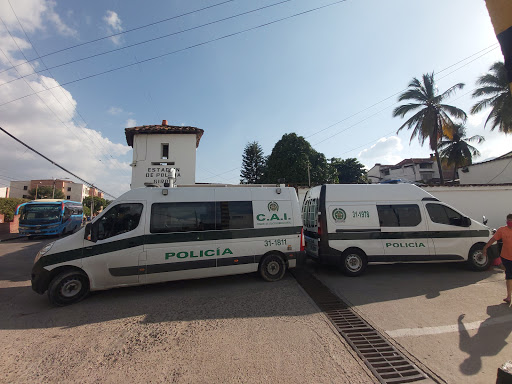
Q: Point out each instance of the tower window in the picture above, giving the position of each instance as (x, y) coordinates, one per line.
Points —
(165, 151)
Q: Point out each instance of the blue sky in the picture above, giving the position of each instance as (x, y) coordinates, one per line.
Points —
(301, 75)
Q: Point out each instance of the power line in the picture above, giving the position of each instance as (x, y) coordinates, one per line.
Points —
(121, 33)
(186, 48)
(54, 163)
(42, 81)
(392, 105)
(149, 40)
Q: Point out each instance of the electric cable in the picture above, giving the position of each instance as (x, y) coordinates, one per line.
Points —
(184, 49)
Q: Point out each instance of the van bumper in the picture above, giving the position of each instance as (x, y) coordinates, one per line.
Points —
(40, 278)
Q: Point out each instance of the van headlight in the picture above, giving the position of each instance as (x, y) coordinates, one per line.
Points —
(44, 250)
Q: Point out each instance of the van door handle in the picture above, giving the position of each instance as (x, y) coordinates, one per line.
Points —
(88, 247)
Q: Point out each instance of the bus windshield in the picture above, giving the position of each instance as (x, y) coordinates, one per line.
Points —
(41, 213)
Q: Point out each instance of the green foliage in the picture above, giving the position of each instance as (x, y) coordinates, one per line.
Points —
(457, 151)
(290, 159)
(494, 86)
(253, 164)
(98, 203)
(349, 171)
(8, 206)
(45, 192)
(432, 118)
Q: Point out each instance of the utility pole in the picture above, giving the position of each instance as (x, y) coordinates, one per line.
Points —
(53, 194)
(37, 185)
(309, 177)
(92, 201)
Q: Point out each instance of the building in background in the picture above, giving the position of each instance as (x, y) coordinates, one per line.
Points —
(414, 170)
(159, 148)
(495, 171)
(72, 191)
(4, 192)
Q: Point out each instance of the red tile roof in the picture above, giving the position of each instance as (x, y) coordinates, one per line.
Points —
(161, 129)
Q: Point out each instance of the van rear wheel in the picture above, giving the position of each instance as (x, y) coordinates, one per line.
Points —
(353, 262)
(477, 261)
(68, 287)
(272, 267)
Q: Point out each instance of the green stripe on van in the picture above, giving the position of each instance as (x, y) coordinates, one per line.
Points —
(165, 238)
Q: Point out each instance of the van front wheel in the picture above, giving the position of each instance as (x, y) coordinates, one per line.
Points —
(272, 267)
(477, 261)
(353, 262)
(68, 287)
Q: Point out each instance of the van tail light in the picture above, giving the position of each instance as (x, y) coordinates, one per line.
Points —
(319, 229)
(302, 245)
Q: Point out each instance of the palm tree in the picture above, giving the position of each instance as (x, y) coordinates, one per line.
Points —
(457, 151)
(496, 89)
(434, 118)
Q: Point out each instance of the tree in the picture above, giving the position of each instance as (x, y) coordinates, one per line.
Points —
(99, 203)
(349, 171)
(8, 206)
(253, 164)
(290, 159)
(457, 151)
(45, 192)
(495, 88)
(434, 119)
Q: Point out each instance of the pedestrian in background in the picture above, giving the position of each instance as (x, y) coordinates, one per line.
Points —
(505, 235)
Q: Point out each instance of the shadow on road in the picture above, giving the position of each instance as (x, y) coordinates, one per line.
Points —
(380, 282)
(488, 341)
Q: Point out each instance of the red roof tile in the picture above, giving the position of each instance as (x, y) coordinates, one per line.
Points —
(161, 129)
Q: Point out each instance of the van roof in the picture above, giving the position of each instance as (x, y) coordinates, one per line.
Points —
(375, 192)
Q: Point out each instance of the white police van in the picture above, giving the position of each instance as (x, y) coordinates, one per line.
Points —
(353, 225)
(151, 235)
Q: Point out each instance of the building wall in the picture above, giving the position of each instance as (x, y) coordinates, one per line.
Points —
(495, 202)
(147, 157)
(72, 191)
(19, 189)
(492, 172)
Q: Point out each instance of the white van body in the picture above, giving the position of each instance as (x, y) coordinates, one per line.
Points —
(352, 225)
(151, 235)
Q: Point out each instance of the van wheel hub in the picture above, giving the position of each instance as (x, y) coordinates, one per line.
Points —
(70, 288)
(479, 258)
(353, 262)
(273, 267)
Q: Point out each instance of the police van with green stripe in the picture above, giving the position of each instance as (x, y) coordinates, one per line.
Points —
(152, 235)
(352, 225)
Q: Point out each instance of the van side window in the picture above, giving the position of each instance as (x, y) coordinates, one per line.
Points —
(234, 215)
(119, 219)
(310, 213)
(182, 217)
(444, 215)
(399, 215)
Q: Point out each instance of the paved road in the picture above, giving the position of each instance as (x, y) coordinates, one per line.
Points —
(450, 319)
(220, 330)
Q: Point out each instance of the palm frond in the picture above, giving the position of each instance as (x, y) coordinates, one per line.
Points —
(479, 139)
(454, 111)
(412, 120)
(482, 104)
(402, 110)
(451, 90)
(487, 90)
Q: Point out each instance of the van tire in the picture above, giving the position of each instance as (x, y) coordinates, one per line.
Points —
(353, 262)
(272, 267)
(476, 259)
(68, 287)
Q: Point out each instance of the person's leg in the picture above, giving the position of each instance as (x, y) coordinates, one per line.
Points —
(508, 278)
(509, 288)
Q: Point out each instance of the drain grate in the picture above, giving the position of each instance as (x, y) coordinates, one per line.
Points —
(384, 360)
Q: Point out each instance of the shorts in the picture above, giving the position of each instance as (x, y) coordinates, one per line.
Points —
(508, 268)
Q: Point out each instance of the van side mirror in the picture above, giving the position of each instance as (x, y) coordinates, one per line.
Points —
(484, 220)
(466, 222)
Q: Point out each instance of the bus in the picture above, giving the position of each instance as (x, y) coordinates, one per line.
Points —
(49, 217)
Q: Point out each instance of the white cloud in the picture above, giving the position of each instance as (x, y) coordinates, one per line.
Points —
(113, 26)
(115, 110)
(385, 151)
(49, 126)
(131, 123)
(477, 121)
(33, 15)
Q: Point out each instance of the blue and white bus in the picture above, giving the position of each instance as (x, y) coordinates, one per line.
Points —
(49, 217)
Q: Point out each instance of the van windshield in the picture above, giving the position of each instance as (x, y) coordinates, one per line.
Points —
(40, 213)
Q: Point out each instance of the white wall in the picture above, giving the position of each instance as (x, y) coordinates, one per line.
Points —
(495, 202)
(492, 172)
(147, 150)
(17, 188)
(77, 193)
(3, 192)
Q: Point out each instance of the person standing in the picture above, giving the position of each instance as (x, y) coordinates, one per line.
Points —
(505, 235)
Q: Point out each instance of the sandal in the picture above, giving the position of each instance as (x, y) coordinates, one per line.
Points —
(506, 300)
